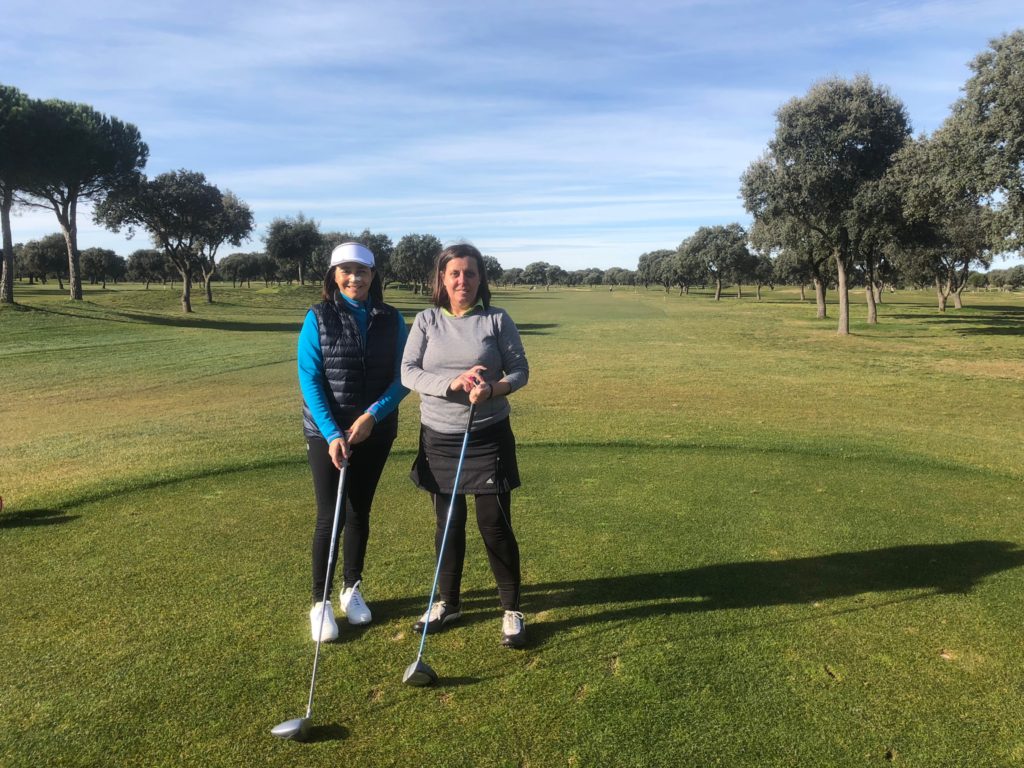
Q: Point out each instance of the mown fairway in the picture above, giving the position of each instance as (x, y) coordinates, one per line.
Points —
(746, 541)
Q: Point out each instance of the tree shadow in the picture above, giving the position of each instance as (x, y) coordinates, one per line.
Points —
(989, 320)
(34, 517)
(935, 568)
(535, 329)
(216, 325)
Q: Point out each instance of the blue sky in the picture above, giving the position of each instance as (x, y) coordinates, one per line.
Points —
(579, 133)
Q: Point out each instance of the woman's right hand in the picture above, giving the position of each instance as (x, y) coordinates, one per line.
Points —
(339, 451)
(466, 380)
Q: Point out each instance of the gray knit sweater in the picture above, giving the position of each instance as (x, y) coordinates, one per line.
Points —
(441, 346)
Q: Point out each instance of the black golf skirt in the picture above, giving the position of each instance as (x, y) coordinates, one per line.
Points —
(489, 467)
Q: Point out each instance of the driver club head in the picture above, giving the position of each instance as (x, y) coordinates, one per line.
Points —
(296, 729)
(419, 674)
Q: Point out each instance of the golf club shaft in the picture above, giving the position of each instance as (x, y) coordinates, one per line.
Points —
(447, 523)
(327, 579)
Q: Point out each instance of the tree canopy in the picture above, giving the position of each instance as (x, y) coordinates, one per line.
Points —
(828, 146)
(293, 242)
(79, 154)
(181, 212)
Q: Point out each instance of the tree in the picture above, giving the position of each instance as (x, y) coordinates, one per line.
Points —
(16, 169)
(100, 263)
(45, 256)
(555, 275)
(536, 273)
(802, 255)
(82, 155)
(232, 224)
(722, 249)
(292, 242)
(147, 265)
(763, 272)
(952, 230)
(492, 267)
(413, 260)
(513, 276)
(986, 128)
(827, 146)
(686, 269)
(656, 267)
(180, 210)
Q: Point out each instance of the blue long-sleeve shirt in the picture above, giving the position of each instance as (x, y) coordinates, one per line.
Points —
(313, 381)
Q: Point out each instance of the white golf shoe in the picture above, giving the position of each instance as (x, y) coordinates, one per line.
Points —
(513, 630)
(329, 630)
(353, 606)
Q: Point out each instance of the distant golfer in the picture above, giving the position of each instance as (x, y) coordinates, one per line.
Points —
(460, 351)
(350, 349)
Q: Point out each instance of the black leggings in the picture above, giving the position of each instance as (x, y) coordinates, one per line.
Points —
(494, 519)
(364, 470)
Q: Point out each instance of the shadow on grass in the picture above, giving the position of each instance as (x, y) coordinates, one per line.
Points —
(936, 568)
(535, 329)
(989, 320)
(216, 325)
(329, 732)
(32, 517)
(135, 486)
(933, 569)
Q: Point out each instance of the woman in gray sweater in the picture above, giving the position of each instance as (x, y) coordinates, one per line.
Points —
(462, 351)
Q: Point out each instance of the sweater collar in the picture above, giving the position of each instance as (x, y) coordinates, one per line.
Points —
(478, 307)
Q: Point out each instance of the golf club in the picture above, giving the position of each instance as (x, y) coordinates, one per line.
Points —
(419, 672)
(297, 729)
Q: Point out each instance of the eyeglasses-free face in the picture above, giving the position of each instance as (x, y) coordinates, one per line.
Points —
(461, 282)
(354, 280)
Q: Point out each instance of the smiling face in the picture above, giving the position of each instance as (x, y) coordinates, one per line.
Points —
(354, 280)
(461, 282)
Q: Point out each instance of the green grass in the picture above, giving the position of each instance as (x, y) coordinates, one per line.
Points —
(746, 541)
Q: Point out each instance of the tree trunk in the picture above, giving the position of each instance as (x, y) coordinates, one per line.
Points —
(739, 291)
(958, 299)
(803, 293)
(69, 226)
(208, 280)
(819, 297)
(941, 295)
(7, 280)
(877, 287)
(869, 294)
(718, 289)
(186, 290)
(758, 291)
(844, 295)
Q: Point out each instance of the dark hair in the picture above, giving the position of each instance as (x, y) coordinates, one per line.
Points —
(459, 251)
(331, 286)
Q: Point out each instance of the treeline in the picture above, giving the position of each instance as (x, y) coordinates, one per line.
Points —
(845, 197)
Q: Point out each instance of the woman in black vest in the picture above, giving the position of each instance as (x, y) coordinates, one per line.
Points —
(350, 348)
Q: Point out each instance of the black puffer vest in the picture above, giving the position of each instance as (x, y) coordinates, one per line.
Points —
(356, 377)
